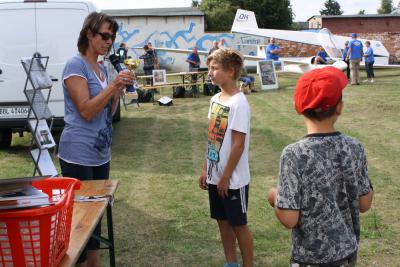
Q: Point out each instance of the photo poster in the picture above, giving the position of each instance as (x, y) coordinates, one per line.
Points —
(267, 75)
(45, 163)
(43, 136)
(159, 77)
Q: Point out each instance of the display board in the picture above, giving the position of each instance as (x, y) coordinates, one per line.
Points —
(267, 73)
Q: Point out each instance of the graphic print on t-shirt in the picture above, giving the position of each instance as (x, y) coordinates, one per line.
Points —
(216, 130)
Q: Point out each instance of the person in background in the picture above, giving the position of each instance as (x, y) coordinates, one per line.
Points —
(369, 62)
(194, 64)
(323, 178)
(194, 60)
(90, 100)
(355, 55)
(148, 60)
(225, 172)
(213, 48)
(211, 89)
(156, 60)
(272, 50)
(247, 85)
(122, 52)
(321, 57)
(344, 57)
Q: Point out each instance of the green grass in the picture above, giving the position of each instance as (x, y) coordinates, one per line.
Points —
(161, 217)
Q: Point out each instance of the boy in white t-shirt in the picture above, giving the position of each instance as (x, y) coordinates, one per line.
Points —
(225, 170)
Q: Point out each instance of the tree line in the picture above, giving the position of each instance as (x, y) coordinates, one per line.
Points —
(273, 14)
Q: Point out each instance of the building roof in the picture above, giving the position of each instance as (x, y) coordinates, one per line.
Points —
(356, 16)
(315, 16)
(396, 11)
(155, 12)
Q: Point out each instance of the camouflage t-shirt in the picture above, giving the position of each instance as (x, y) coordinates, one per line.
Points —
(323, 176)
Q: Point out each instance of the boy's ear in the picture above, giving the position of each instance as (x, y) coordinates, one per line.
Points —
(231, 72)
(339, 108)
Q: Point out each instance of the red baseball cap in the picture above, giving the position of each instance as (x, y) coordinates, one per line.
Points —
(319, 89)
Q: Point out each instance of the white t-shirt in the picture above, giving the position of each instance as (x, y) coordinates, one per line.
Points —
(225, 117)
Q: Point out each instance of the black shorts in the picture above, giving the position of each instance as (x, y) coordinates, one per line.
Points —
(233, 208)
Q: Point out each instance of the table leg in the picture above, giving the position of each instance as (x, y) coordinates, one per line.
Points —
(110, 231)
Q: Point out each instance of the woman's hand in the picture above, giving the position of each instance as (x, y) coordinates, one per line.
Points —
(123, 80)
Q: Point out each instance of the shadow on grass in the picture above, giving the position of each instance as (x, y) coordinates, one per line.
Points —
(143, 238)
(16, 150)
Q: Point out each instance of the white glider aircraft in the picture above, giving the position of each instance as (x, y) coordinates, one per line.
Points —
(245, 23)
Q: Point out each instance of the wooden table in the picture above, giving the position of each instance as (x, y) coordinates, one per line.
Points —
(185, 80)
(85, 217)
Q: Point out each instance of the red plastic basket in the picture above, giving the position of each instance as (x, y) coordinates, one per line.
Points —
(39, 236)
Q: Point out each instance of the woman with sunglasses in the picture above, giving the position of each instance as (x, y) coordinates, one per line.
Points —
(90, 100)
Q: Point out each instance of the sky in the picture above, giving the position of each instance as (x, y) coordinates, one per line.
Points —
(303, 9)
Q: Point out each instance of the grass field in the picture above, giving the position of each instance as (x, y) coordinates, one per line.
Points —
(161, 217)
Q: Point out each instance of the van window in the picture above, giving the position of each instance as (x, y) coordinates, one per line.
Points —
(58, 27)
(17, 33)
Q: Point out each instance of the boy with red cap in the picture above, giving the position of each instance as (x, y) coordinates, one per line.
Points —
(323, 178)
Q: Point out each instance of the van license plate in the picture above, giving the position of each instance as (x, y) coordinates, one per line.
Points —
(13, 112)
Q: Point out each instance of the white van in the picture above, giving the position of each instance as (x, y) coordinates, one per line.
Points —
(50, 28)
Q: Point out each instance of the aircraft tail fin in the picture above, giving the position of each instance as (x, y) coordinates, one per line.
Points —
(244, 19)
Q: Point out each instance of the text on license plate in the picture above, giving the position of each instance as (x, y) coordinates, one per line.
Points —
(14, 112)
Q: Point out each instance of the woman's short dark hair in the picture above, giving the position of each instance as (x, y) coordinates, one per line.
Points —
(92, 23)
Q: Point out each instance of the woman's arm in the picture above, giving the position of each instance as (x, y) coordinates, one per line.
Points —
(88, 107)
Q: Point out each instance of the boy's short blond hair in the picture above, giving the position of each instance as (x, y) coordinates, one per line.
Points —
(227, 58)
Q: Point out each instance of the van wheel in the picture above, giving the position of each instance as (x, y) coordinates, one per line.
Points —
(5, 138)
(117, 114)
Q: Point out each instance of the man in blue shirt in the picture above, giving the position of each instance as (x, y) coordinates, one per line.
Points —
(355, 55)
(272, 50)
(194, 64)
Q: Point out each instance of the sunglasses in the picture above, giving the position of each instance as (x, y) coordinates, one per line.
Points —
(106, 36)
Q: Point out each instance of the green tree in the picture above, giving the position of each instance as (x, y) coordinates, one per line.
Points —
(361, 12)
(332, 7)
(195, 3)
(274, 14)
(386, 7)
(219, 14)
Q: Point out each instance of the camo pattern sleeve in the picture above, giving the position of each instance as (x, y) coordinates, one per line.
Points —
(289, 192)
(323, 176)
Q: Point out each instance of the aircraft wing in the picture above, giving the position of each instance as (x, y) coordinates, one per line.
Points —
(174, 50)
(246, 57)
